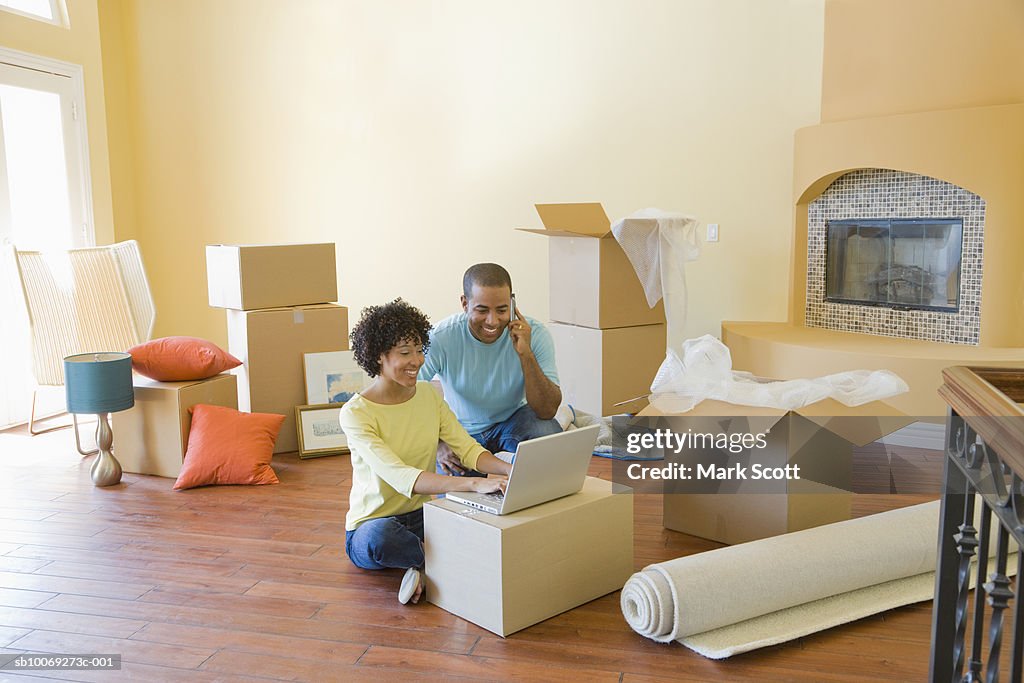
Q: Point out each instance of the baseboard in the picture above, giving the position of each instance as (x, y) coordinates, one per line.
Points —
(918, 435)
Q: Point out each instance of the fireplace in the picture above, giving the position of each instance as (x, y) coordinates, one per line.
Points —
(900, 263)
(896, 254)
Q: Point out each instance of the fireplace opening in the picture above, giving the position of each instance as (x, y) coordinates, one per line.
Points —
(899, 263)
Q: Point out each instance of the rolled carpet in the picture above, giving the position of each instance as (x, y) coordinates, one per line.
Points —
(743, 597)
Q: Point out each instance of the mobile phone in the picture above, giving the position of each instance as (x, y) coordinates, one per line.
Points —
(513, 317)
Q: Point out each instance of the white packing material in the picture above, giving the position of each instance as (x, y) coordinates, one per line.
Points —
(659, 243)
(704, 370)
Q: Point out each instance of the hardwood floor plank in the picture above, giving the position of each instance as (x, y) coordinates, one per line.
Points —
(285, 667)
(457, 636)
(60, 584)
(124, 558)
(56, 540)
(12, 597)
(8, 634)
(274, 607)
(157, 654)
(89, 624)
(193, 580)
(480, 667)
(9, 563)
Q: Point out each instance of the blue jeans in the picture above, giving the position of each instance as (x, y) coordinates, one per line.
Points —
(387, 542)
(521, 425)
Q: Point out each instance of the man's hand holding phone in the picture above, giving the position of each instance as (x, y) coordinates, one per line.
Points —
(519, 330)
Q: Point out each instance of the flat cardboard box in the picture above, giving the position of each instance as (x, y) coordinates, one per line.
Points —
(152, 437)
(250, 276)
(592, 282)
(270, 343)
(819, 436)
(599, 368)
(507, 572)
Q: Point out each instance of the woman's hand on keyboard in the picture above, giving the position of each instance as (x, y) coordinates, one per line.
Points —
(491, 484)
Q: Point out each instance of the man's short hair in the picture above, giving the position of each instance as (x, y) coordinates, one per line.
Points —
(485, 275)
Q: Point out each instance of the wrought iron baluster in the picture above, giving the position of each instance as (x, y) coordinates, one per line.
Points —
(1017, 665)
(978, 630)
(999, 596)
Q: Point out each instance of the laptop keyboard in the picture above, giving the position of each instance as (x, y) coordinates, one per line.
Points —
(495, 497)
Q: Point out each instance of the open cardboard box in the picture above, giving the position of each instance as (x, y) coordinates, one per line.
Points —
(592, 282)
(825, 432)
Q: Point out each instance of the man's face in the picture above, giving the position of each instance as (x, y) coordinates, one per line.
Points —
(489, 309)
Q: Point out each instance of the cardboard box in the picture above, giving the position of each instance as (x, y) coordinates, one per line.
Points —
(151, 438)
(592, 282)
(251, 276)
(819, 437)
(270, 344)
(599, 368)
(507, 572)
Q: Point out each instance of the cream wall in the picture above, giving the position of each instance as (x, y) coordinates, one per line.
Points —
(78, 44)
(416, 135)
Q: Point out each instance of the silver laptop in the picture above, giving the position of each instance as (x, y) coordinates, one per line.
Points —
(544, 469)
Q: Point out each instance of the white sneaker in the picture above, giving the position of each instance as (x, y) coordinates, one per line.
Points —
(410, 582)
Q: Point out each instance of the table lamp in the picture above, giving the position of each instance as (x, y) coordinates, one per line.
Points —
(100, 383)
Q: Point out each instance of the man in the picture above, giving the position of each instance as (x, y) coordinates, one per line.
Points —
(497, 367)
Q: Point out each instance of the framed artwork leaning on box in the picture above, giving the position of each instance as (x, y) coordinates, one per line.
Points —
(319, 431)
(332, 377)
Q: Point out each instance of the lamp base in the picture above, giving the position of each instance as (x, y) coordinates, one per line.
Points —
(105, 470)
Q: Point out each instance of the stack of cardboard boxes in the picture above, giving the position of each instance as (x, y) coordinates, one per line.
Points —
(276, 299)
(609, 343)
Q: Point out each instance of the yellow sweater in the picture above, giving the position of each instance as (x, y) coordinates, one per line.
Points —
(391, 445)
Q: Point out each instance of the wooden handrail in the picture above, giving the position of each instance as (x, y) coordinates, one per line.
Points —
(987, 399)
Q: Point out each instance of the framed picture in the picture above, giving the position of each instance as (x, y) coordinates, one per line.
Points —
(332, 377)
(319, 431)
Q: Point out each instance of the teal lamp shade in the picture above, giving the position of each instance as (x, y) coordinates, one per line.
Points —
(98, 383)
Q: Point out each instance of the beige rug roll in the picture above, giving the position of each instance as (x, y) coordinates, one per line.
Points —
(743, 597)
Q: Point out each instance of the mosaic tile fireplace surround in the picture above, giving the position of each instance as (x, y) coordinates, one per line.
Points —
(872, 194)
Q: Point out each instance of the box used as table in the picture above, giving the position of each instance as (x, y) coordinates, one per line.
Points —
(152, 437)
(507, 572)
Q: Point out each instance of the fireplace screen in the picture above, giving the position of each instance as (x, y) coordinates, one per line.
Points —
(899, 263)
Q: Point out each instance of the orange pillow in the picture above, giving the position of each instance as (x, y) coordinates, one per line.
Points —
(177, 359)
(229, 447)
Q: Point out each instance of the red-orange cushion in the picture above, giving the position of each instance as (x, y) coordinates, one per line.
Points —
(229, 447)
(177, 359)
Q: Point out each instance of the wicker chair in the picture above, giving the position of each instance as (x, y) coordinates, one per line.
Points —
(82, 300)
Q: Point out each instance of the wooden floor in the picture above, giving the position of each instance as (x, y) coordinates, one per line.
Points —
(251, 583)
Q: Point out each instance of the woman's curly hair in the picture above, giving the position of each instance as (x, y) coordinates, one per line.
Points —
(381, 328)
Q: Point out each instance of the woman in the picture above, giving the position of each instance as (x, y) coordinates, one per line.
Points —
(393, 428)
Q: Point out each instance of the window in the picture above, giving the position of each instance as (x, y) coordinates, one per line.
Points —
(45, 198)
(44, 191)
(51, 11)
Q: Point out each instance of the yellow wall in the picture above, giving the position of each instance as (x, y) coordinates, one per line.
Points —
(884, 57)
(79, 44)
(416, 135)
